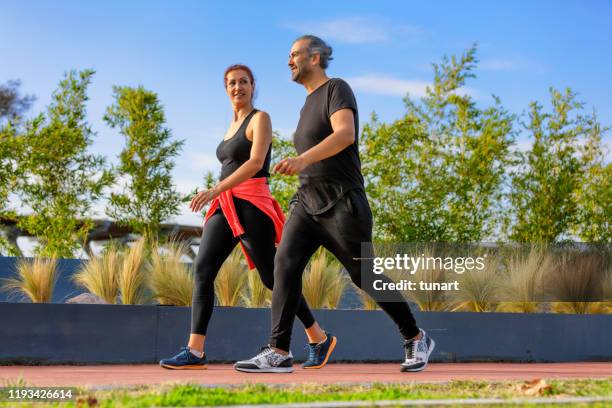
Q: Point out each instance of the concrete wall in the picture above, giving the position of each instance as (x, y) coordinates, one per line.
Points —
(87, 334)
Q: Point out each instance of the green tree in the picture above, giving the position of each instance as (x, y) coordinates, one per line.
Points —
(282, 187)
(208, 181)
(12, 103)
(436, 175)
(594, 197)
(9, 144)
(552, 181)
(62, 180)
(595, 205)
(12, 106)
(148, 196)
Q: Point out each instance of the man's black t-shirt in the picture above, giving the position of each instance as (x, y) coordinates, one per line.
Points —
(323, 183)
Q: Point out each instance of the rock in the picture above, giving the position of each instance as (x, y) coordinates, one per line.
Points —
(87, 299)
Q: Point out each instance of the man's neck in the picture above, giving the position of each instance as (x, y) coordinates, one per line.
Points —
(317, 79)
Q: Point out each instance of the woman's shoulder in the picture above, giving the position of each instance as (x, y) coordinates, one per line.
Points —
(261, 115)
(260, 121)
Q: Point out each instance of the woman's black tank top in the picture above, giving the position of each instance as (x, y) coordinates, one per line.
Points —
(233, 152)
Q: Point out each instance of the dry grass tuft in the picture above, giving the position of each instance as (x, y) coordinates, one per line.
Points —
(320, 279)
(35, 279)
(478, 289)
(256, 293)
(170, 279)
(523, 281)
(229, 284)
(100, 275)
(339, 282)
(578, 282)
(133, 275)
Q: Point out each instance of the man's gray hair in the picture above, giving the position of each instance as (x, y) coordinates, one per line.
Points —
(318, 46)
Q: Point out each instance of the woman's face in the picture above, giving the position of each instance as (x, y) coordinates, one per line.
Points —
(239, 87)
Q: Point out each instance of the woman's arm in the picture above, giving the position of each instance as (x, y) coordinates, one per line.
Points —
(262, 137)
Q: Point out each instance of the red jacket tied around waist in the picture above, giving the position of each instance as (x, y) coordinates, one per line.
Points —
(257, 192)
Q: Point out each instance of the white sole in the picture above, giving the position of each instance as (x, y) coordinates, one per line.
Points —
(429, 351)
(265, 370)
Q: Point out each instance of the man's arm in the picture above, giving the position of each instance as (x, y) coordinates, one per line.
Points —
(343, 136)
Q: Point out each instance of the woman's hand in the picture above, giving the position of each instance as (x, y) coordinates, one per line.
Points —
(202, 198)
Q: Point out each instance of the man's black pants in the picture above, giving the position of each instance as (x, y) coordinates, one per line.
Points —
(341, 230)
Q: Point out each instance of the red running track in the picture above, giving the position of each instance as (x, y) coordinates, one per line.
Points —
(220, 374)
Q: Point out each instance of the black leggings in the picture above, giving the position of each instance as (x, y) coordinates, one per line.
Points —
(217, 243)
(341, 230)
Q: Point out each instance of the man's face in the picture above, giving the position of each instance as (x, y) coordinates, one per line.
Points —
(299, 60)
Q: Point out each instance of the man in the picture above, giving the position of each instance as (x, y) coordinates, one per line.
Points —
(331, 209)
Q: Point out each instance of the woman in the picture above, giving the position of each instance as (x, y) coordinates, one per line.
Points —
(242, 211)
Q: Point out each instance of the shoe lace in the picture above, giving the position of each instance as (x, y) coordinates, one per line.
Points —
(312, 350)
(263, 351)
(410, 347)
(183, 353)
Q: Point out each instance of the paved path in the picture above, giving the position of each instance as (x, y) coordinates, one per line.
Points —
(219, 374)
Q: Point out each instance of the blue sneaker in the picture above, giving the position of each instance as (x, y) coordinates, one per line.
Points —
(318, 353)
(185, 360)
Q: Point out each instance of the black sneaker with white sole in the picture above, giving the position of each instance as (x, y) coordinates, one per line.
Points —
(267, 361)
(417, 353)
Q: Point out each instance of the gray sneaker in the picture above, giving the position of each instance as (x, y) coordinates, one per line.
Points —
(417, 353)
(267, 361)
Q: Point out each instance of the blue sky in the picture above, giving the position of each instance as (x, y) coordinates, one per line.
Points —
(384, 49)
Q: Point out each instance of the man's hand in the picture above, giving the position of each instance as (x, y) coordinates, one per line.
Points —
(202, 198)
(290, 166)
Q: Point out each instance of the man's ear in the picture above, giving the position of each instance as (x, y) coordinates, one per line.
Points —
(316, 59)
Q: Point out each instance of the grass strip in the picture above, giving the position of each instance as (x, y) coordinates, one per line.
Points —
(255, 394)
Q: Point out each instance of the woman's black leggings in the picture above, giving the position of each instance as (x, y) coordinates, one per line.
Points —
(217, 243)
